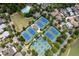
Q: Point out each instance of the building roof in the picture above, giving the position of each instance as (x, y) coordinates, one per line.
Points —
(9, 51)
(36, 15)
(69, 9)
(26, 9)
(1, 30)
(1, 21)
(2, 26)
(72, 21)
(71, 13)
(5, 34)
(15, 39)
(69, 25)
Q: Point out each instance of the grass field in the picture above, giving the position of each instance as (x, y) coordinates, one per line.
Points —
(19, 21)
(74, 50)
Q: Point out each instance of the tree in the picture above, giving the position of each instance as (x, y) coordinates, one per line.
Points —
(29, 51)
(64, 36)
(21, 38)
(34, 53)
(59, 6)
(57, 45)
(60, 40)
(15, 44)
(33, 20)
(24, 28)
(18, 33)
(74, 36)
(9, 40)
(54, 49)
(63, 50)
(23, 53)
(76, 32)
(70, 40)
(19, 48)
(66, 46)
(48, 53)
(2, 44)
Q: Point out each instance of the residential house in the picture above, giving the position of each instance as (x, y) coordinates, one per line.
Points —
(2, 21)
(36, 15)
(59, 17)
(55, 12)
(77, 18)
(15, 39)
(73, 21)
(64, 12)
(5, 35)
(74, 10)
(1, 30)
(77, 8)
(69, 25)
(44, 5)
(70, 11)
(9, 51)
(2, 26)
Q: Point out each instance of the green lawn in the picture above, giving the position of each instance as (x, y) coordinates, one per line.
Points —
(74, 49)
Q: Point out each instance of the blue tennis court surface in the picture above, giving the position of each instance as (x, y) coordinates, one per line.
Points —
(28, 34)
(41, 22)
(25, 35)
(53, 30)
(40, 46)
(31, 31)
(52, 33)
(44, 20)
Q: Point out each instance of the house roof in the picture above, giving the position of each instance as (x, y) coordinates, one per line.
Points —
(15, 39)
(69, 25)
(1, 30)
(2, 26)
(9, 51)
(69, 9)
(5, 34)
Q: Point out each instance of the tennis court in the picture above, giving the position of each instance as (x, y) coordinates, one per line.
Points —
(31, 31)
(41, 22)
(44, 20)
(28, 34)
(40, 46)
(25, 36)
(54, 31)
(52, 34)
